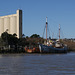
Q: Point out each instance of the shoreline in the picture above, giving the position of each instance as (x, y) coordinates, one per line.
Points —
(5, 52)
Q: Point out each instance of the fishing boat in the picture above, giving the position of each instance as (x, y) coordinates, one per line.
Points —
(51, 46)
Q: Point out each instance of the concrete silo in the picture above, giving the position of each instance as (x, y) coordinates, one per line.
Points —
(6, 24)
(13, 24)
(1, 25)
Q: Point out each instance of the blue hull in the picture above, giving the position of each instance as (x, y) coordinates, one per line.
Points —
(50, 49)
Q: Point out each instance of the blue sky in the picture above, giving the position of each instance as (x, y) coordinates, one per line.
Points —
(34, 15)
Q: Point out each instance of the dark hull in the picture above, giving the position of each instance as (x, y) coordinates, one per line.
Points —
(50, 49)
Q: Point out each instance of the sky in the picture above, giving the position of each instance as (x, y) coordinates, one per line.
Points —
(34, 16)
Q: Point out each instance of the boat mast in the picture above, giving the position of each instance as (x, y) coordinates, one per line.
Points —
(59, 32)
(46, 28)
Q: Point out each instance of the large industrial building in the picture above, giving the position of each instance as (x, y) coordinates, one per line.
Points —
(12, 23)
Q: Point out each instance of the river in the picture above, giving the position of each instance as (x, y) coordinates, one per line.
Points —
(37, 64)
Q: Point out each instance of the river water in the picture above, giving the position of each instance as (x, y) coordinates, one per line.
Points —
(37, 64)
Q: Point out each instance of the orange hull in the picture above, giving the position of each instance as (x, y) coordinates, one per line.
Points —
(33, 50)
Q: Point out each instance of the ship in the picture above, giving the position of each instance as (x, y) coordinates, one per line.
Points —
(51, 46)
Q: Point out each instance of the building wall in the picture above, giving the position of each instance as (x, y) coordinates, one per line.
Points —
(1, 25)
(6, 23)
(13, 23)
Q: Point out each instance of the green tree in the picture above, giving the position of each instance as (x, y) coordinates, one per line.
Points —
(22, 41)
(9, 39)
(35, 36)
(2, 43)
(15, 35)
(4, 36)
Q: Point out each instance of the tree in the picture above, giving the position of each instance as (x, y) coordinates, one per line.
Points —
(22, 41)
(2, 43)
(23, 35)
(9, 39)
(35, 36)
(14, 34)
(4, 36)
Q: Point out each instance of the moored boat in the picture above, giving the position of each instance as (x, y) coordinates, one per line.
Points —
(32, 50)
(52, 49)
(51, 46)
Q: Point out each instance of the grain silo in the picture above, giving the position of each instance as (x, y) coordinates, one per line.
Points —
(13, 23)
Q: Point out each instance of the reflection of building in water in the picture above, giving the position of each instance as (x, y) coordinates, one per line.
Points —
(12, 23)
